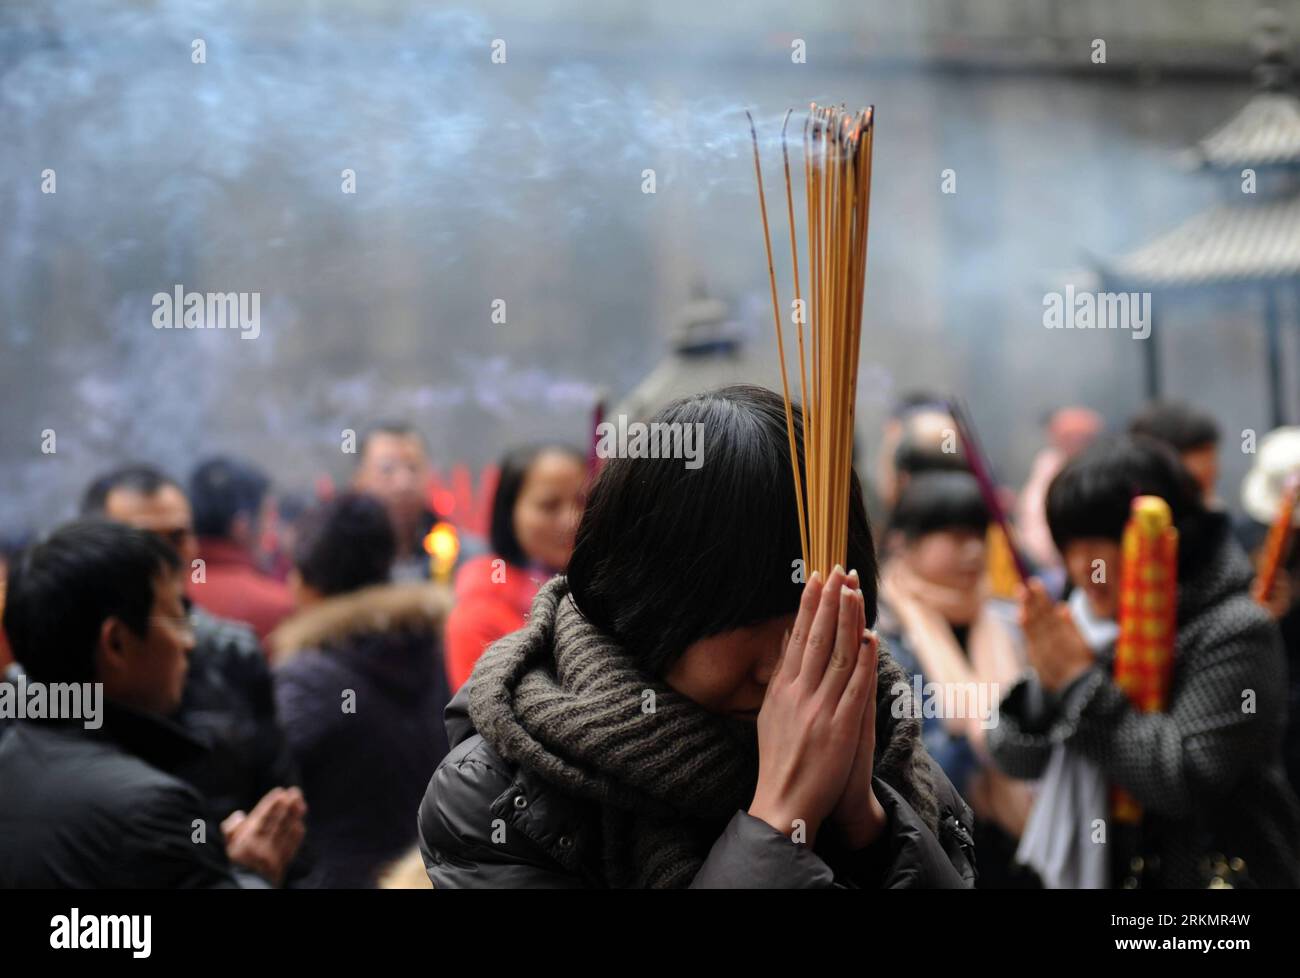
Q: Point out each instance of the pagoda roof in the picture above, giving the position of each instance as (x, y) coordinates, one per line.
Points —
(1238, 243)
(1264, 132)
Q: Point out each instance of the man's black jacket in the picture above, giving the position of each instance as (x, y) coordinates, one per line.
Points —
(98, 809)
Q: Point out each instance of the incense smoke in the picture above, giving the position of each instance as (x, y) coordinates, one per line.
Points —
(520, 183)
(227, 175)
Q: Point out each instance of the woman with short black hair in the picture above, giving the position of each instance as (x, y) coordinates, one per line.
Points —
(1206, 771)
(651, 726)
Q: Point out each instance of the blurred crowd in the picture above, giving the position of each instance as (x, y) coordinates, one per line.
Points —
(276, 666)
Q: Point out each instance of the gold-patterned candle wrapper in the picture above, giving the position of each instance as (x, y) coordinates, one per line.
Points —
(1144, 652)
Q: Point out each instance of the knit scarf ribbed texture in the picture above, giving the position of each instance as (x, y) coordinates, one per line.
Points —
(565, 701)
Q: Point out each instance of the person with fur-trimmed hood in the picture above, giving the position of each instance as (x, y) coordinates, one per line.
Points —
(361, 686)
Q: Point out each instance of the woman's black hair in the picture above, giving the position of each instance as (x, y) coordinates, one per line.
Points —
(934, 501)
(513, 473)
(1091, 497)
(345, 544)
(667, 555)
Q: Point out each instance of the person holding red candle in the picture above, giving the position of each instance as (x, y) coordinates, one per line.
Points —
(1205, 770)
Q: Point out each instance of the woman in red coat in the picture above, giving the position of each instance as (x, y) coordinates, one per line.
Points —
(535, 512)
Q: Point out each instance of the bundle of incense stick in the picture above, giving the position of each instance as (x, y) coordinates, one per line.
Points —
(979, 467)
(1278, 542)
(837, 189)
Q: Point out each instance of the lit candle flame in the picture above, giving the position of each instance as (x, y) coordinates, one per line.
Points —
(442, 544)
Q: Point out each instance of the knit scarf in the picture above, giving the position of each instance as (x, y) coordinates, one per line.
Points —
(565, 701)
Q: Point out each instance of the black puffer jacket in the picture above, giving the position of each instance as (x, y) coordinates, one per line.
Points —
(488, 823)
(569, 781)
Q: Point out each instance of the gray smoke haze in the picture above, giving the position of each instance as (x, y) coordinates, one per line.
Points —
(478, 181)
(418, 100)
(214, 174)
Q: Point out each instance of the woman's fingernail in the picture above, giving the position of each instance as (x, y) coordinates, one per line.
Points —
(816, 577)
(838, 569)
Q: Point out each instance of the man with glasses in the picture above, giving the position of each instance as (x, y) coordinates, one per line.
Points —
(227, 701)
(107, 805)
